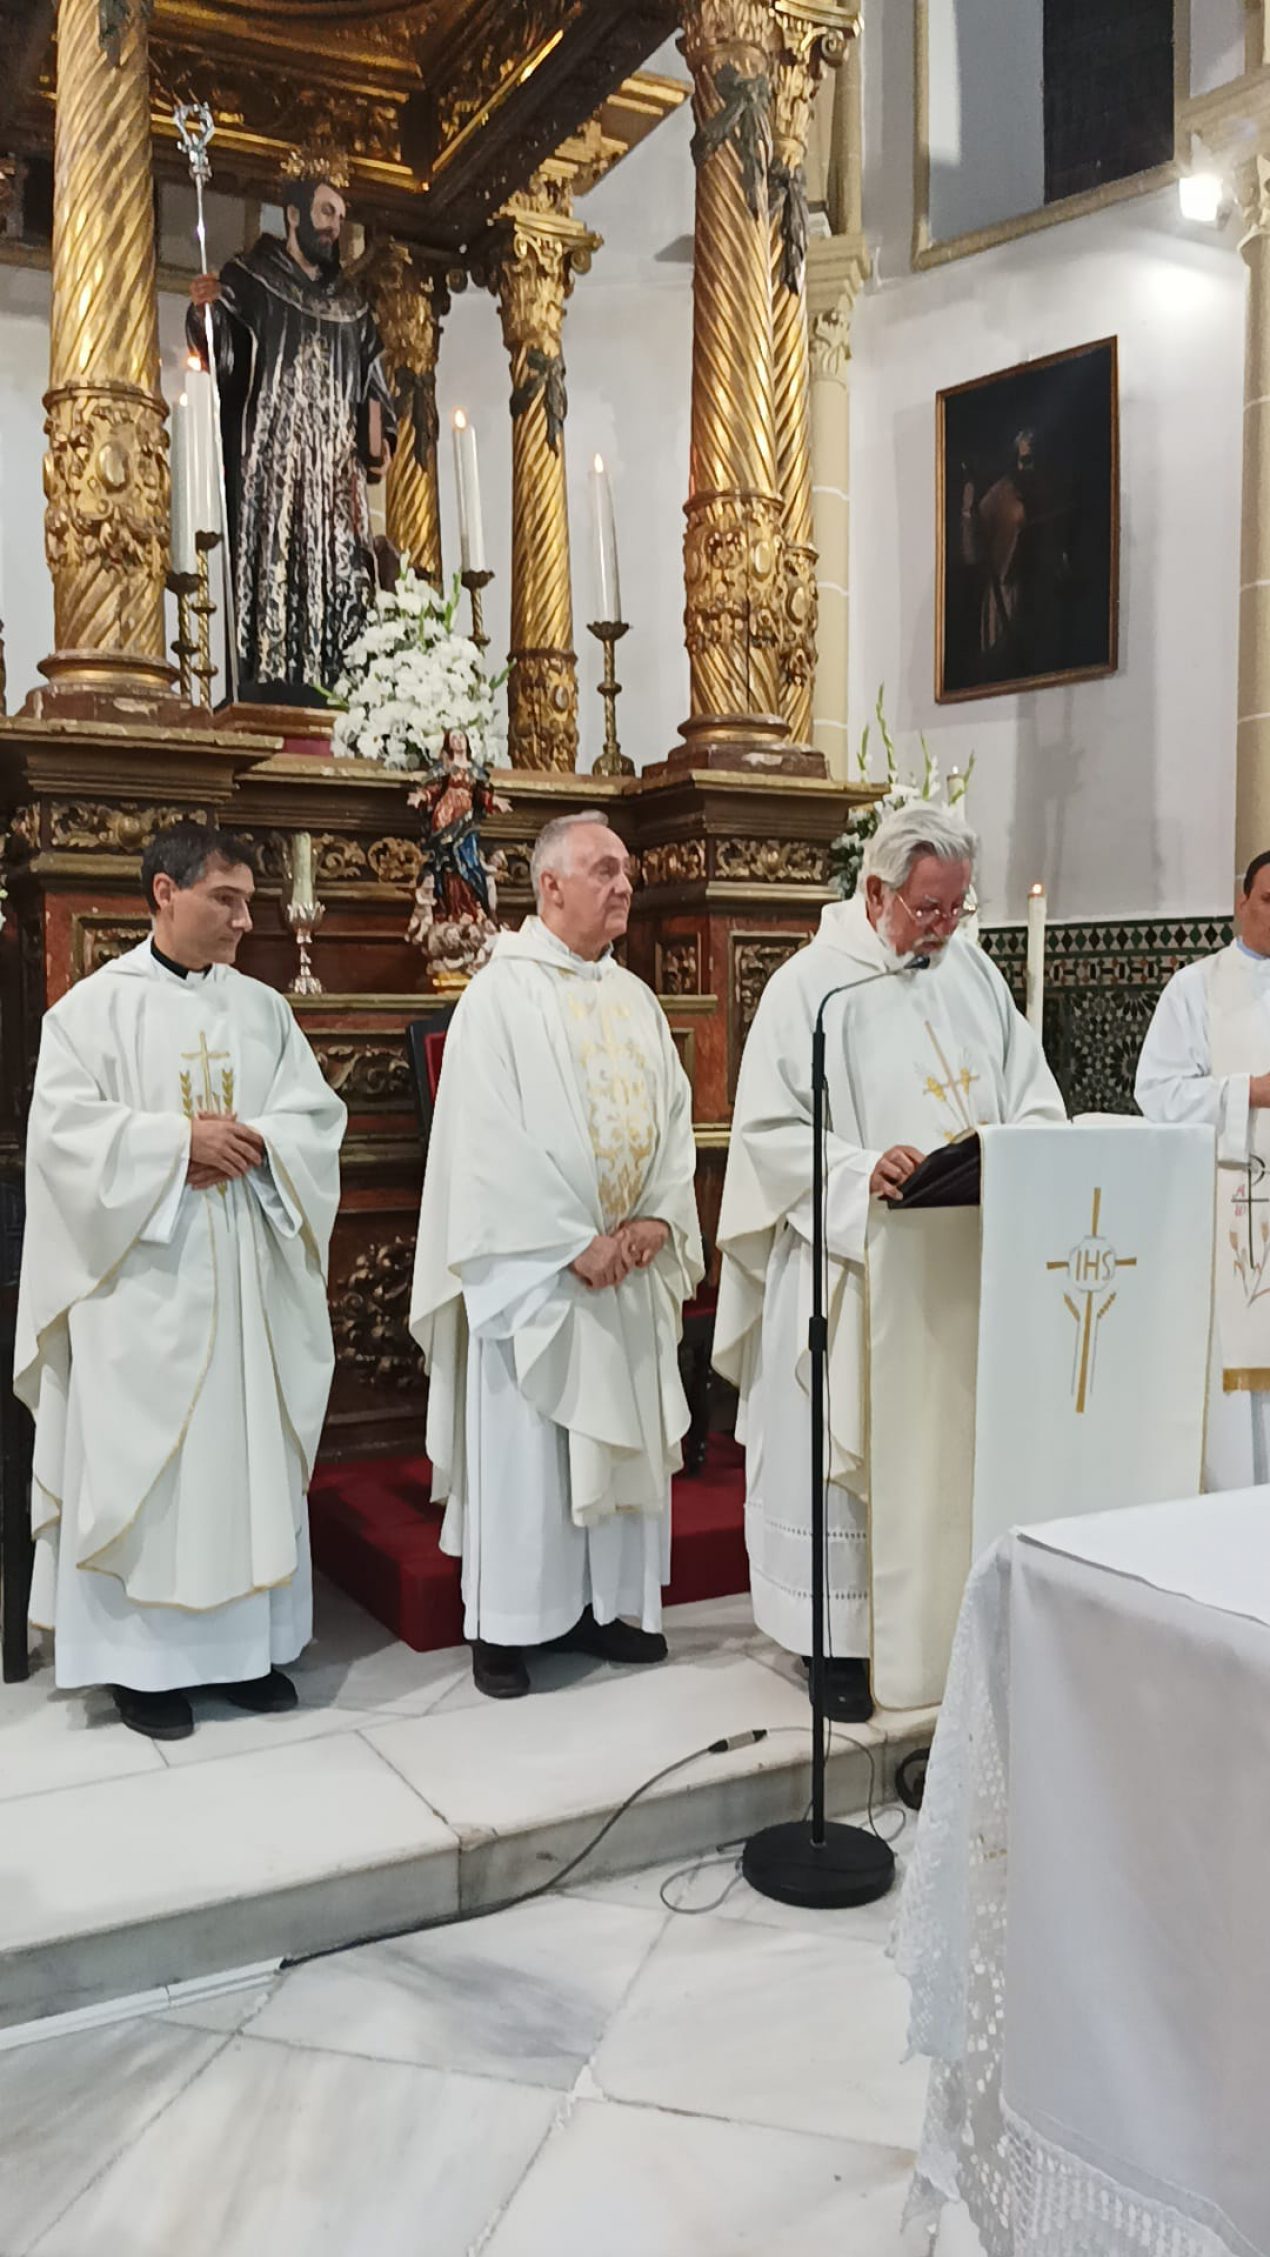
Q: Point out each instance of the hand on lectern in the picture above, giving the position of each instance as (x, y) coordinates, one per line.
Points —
(893, 1171)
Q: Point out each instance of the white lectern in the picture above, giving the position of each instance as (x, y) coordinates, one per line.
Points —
(1043, 1354)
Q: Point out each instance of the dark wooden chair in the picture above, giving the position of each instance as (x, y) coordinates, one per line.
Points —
(425, 1040)
(16, 1439)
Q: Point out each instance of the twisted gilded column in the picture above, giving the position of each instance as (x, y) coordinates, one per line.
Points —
(1252, 741)
(811, 35)
(410, 299)
(732, 546)
(538, 248)
(836, 267)
(105, 472)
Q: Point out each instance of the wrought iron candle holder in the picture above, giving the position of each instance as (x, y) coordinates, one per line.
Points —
(202, 612)
(612, 761)
(476, 583)
(184, 586)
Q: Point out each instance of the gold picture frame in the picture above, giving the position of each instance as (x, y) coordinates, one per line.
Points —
(1027, 533)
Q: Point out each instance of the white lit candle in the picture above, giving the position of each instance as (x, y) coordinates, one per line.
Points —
(608, 589)
(1035, 956)
(195, 491)
(302, 869)
(468, 477)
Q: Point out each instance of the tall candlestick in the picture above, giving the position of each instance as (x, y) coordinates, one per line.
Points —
(608, 589)
(1035, 957)
(195, 498)
(302, 867)
(468, 479)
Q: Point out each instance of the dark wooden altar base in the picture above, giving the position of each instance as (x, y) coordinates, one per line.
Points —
(734, 868)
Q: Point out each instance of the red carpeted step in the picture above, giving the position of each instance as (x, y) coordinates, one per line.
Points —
(376, 1536)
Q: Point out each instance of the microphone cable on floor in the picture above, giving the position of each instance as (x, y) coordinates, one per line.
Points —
(726, 1746)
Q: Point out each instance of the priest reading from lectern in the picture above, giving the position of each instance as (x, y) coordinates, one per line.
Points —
(558, 1242)
(173, 1338)
(1207, 1059)
(924, 1045)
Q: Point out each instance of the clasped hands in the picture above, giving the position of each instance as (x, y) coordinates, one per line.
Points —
(893, 1171)
(220, 1149)
(610, 1258)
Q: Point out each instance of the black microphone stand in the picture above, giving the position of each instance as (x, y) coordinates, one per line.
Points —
(806, 1861)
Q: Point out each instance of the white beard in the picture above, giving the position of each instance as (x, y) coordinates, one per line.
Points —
(897, 958)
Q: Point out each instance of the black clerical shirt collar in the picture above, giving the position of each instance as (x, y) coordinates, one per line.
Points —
(182, 971)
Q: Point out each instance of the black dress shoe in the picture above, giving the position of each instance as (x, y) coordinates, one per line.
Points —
(609, 1641)
(262, 1696)
(161, 1716)
(848, 1698)
(499, 1671)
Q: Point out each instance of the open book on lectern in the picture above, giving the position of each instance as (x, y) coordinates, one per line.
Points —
(948, 1177)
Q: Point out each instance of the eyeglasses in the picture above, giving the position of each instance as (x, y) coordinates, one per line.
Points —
(926, 914)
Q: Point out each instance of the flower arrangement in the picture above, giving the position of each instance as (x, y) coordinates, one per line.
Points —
(846, 854)
(410, 682)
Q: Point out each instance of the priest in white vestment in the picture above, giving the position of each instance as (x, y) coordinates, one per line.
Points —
(173, 1339)
(558, 1242)
(1207, 1058)
(928, 1049)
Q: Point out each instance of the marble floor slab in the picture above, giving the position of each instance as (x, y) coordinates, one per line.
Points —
(527, 1997)
(640, 2182)
(588, 2072)
(50, 1740)
(273, 2152)
(70, 2107)
(830, 2057)
(129, 1849)
(606, 1733)
(393, 1794)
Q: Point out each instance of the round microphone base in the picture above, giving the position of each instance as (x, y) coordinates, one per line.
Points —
(850, 1866)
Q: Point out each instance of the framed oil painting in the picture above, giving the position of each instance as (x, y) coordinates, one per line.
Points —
(1028, 526)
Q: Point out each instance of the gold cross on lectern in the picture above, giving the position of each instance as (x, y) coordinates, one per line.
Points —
(1091, 1268)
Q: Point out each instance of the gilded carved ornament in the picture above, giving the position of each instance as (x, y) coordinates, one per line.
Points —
(732, 557)
(369, 1312)
(94, 827)
(772, 861)
(679, 862)
(364, 1073)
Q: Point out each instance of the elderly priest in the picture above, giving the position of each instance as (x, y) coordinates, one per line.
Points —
(557, 1244)
(930, 1048)
(1206, 1058)
(173, 1339)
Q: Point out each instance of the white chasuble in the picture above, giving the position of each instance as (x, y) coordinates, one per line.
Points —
(918, 1059)
(555, 1413)
(173, 1345)
(1209, 1036)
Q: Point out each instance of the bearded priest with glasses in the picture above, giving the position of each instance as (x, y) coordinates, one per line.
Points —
(931, 1048)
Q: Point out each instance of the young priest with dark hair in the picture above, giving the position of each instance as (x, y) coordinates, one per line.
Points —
(173, 1338)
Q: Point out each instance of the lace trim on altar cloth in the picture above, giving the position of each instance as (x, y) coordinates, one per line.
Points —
(1027, 2195)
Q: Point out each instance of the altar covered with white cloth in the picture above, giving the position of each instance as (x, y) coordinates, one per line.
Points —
(1083, 1924)
(1044, 1352)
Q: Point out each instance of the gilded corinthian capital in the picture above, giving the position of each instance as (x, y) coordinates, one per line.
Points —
(537, 248)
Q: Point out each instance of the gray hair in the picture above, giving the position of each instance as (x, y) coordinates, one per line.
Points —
(923, 827)
(551, 847)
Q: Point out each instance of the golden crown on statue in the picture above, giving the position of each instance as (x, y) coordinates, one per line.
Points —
(319, 161)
